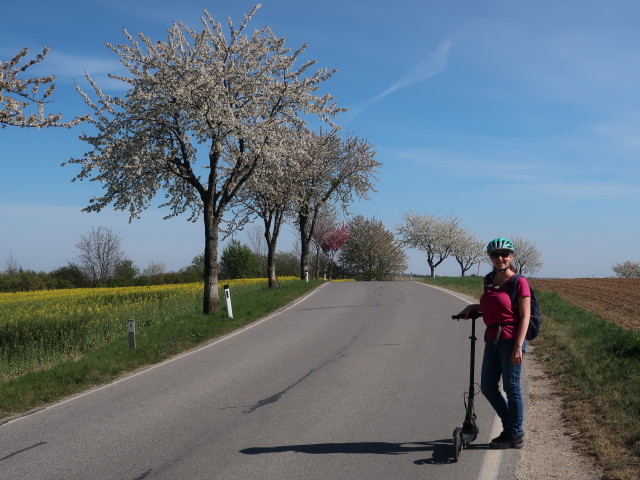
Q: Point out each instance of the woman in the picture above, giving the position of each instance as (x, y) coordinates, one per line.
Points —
(505, 342)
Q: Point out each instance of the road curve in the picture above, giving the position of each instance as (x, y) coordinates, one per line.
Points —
(358, 380)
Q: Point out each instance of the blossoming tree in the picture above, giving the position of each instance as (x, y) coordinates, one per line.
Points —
(467, 250)
(202, 112)
(271, 193)
(435, 236)
(527, 259)
(334, 241)
(336, 171)
(326, 223)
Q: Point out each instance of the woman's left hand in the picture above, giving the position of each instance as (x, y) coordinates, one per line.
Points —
(516, 356)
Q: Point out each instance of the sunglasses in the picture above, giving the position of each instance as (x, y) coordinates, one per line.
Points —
(500, 254)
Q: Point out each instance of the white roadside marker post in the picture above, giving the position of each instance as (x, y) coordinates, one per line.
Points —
(227, 294)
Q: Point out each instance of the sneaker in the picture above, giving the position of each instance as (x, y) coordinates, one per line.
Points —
(507, 440)
(500, 438)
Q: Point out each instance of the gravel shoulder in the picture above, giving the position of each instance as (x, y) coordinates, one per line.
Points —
(550, 450)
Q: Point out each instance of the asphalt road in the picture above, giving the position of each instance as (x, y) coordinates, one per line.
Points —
(357, 381)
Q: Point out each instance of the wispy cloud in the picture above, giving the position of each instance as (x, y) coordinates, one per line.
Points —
(470, 165)
(596, 191)
(622, 130)
(530, 175)
(431, 65)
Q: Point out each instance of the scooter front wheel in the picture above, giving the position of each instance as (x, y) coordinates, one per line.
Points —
(476, 429)
(457, 444)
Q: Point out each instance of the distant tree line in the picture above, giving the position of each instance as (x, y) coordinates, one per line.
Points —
(361, 248)
(101, 262)
(126, 274)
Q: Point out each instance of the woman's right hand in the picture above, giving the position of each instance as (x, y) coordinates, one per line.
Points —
(475, 307)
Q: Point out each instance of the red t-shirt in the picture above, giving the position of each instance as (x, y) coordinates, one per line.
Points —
(495, 304)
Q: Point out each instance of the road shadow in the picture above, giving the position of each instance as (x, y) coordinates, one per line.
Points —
(441, 450)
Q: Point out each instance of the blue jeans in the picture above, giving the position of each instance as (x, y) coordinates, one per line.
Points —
(496, 363)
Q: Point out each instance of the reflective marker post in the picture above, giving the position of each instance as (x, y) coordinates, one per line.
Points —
(227, 294)
(132, 334)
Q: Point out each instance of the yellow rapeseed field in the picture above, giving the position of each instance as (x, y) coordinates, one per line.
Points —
(37, 328)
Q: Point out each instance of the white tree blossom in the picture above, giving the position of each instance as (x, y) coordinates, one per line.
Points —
(18, 94)
(271, 193)
(527, 259)
(201, 114)
(435, 236)
(627, 269)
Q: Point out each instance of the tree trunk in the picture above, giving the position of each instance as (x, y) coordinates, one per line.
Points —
(304, 244)
(211, 301)
(271, 264)
(274, 219)
(461, 267)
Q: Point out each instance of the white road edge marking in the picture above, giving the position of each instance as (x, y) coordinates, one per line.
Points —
(491, 461)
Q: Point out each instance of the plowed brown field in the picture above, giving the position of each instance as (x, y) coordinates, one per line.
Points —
(614, 299)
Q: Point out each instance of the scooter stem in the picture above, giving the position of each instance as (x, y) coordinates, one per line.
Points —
(472, 367)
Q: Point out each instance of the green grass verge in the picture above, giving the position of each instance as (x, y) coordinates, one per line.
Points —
(154, 343)
(467, 285)
(596, 366)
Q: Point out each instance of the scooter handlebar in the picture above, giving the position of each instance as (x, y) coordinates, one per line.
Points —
(472, 315)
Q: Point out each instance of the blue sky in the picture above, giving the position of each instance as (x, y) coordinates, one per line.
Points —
(521, 118)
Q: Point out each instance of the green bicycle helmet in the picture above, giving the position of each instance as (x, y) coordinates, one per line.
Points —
(500, 244)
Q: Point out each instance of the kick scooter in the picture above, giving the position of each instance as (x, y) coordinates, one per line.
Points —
(463, 436)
